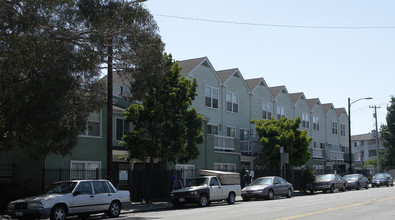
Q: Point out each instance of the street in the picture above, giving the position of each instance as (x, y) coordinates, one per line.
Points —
(374, 203)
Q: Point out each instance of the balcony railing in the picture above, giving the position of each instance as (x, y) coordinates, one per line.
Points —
(224, 143)
(336, 155)
(318, 153)
(358, 158)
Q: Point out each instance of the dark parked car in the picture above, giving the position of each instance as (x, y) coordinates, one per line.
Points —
(382, 179)
(267, 187)
(329, 182)
(356, 181)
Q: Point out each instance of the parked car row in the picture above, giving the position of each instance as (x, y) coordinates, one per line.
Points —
(332, 182)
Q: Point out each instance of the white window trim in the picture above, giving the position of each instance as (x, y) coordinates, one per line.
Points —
(270, 109)
(233, 128)
(279, 107)
(86, 162)
(100, 130)
(214, 125)
(115, 127)
(211, 97)
(238, 102)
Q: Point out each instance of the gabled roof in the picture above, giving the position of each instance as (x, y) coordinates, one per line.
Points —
(189, 65)
(224, 75)
(253, 83)
(327, 106)
(295, 97)
(276, 90)
(340, 111)
(313, 102)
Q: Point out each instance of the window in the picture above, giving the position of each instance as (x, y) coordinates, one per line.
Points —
(93, 125)
(280, 112)
(99, 187)
(334, 127)
(342, 130)
(372, 153)
(232, 102)
(316, 123)
(305, 120)
(84, 188)
(244, 134)
(228, 167)
(85, 170)
(211, 96)
(230, 132)
(122, 128)
(266, 110)
(212, 129)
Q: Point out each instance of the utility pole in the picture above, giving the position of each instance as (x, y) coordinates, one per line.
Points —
(377, 137)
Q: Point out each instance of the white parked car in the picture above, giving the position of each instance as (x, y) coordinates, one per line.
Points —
(77, 197)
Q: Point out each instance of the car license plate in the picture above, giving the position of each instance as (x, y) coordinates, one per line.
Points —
(19, 214)
(181, 199)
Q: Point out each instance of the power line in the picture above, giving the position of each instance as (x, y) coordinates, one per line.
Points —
(276, 25)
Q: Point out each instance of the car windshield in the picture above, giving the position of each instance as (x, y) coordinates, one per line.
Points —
(262, 181)
(350, 177)
(198, 182)
(63, 187)
(325, 177)
(379, 176)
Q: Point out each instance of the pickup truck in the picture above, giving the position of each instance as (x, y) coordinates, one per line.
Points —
(76, 197)
(204, 190)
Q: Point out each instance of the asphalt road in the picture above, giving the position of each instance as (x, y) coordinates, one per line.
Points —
(374, 203)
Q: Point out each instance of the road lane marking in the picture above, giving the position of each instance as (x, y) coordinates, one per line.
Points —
(335, 209)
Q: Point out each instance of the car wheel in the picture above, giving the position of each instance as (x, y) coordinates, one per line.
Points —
(367, 186)
(114, 210)
(332, 189)
(231, 198)
(311, 192)
(324, 190)
(344, 188)
(58, 212)
(289, 194)
(270, 195)
(358, 186)
(203, 200)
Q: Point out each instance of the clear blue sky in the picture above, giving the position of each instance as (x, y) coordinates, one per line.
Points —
(270, 39)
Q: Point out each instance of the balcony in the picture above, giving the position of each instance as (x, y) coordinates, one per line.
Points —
(358, 158)
(250, 147)
(224, 143)
(317, 153)
(336, 155)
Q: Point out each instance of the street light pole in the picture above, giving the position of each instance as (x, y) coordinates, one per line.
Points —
(349, 131)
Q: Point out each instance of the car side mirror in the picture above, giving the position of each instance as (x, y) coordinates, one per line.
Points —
(75, 193)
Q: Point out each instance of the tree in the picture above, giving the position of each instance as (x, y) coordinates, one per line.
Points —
(48, 80)
(284, 132)
(52, 53)
(388, 133)
(383, 159)
(165, 126)
(126, 33)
